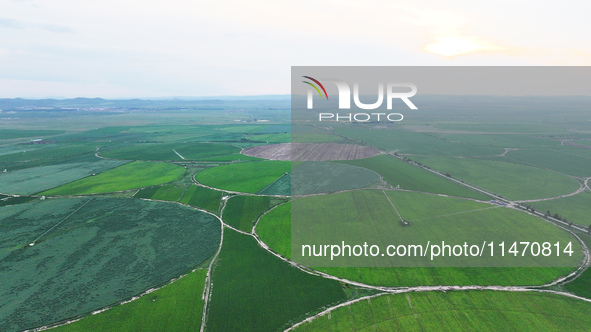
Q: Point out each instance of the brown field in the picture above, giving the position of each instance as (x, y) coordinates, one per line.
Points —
(311, 151)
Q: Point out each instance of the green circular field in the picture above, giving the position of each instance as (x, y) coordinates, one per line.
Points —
(272, 177)
(458, 311)
(367, 216)
(90, 253)
(166, 151)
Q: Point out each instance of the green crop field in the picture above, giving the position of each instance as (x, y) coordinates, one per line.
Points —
(33, 180)
(16, 133)
(33, 156)
(516, 182)
(281, 186)
(166, 192)
(134, 188)
(407, 142)
(89, 253)
(242, 211)
(458, 311)
(502, 140)
(312, 177)
(174, 307)
(248, 177)
(409, 177)
(137, 174)
(165, 151)
(203, 198)
(274, 229)
(574, 208)
(565, 159)
(255, 291)
(432, 218)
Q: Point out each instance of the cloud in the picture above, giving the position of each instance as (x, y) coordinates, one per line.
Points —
(16, 24)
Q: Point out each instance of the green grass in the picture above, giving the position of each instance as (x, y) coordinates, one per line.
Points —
(255, 291)
(166, 192)
(101, 251)
(458, 311)
(409, 177)
(174, 307)
(242, 211)
(29, 181)
(203, 198)
(164, 151)
(137, 174)
(248, 177)
(516, 182)
(433, 218)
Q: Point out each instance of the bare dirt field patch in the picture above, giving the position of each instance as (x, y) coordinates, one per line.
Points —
(311, 151)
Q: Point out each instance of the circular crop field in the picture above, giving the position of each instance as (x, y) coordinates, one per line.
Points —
(272, 177)
(369, 216)
(311, 151)
(172, 151)
(90, 253)
(457, 311)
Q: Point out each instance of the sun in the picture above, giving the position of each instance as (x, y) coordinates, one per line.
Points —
(452, 46)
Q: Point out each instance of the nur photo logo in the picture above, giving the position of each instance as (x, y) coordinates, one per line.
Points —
(389, 91)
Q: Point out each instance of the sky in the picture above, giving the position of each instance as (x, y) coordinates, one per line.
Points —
(147, 48)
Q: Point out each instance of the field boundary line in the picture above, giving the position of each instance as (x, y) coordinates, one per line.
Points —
(59, 222)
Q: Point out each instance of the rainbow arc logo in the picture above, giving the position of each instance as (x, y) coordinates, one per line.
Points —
(316, 87)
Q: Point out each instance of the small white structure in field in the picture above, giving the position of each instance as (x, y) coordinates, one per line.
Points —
(42, 198)
(31, 244)
(5, 170)
(225, 198)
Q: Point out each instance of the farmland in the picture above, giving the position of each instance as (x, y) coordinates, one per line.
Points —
(574, 208)
(16, 133)
(413, 143)
(168, 192)
(516, 182)
(458, 311)
(166, 152)
(203, 198)
(164, 309)
(248, 177)
(164, 172)
(262, 292)
(431, 216)
(137, 174)
(33, 180)
(90, 253)
(32, 156)
(569, 160)
(242, 211)
(405, 176)
(313, 177)
(311, 151)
